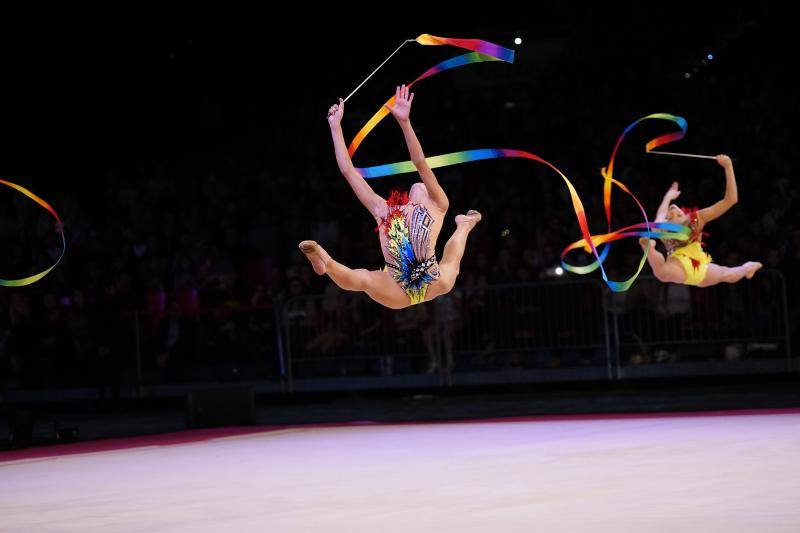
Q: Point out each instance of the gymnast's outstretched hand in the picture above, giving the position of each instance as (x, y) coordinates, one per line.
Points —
(402, 104)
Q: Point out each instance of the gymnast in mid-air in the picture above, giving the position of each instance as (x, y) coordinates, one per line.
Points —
(408, 226)
(686, 261)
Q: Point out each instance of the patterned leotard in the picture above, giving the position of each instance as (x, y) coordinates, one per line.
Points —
(408, 228)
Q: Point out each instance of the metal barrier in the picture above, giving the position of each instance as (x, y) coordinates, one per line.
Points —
(476, 330)
(350, 335)
(668, 329)
(478, 334)
(565, 330)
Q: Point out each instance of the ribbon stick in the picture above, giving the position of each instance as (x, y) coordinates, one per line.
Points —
(698, 156)
(379, 67)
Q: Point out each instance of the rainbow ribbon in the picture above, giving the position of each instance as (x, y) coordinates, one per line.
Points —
(659, 230)
(36, 277)
(485, 51)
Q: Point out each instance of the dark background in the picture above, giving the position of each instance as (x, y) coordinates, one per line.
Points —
(182, 148)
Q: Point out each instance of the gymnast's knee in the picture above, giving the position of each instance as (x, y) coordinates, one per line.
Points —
(446, 283)
(662, 275)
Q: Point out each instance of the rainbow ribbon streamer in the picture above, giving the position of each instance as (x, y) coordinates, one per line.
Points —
(483, 51)
(659, 230)
(36, 277)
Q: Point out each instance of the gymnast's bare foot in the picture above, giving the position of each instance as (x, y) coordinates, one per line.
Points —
(471, 218)
(316, 254)
(751, 267)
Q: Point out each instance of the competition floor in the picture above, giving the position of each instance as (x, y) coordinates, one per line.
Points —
(714, 471)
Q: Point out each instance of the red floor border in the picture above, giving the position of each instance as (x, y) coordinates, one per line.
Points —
(199, 435)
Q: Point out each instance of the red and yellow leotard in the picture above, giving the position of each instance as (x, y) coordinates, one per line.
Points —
(690, 254)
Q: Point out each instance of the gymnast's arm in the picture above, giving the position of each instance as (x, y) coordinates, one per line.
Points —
(708, 214)
(401, 112)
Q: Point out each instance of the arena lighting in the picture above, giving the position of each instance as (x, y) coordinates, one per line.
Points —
(710, 57)
(559, 271)
(518, 41)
